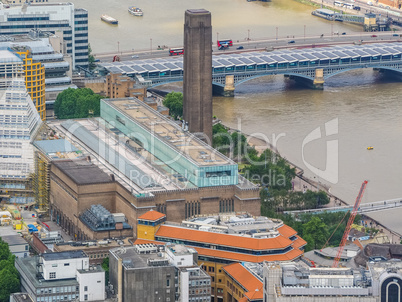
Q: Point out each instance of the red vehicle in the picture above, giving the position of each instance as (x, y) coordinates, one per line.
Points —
(176, 51)
(226, 43)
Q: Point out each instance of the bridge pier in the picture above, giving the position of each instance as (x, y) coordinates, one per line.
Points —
(227, 90)
(316, 83)
(394, 73)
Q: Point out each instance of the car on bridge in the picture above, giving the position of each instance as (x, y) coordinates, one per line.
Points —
(291, 41)
(374, 36)
(240, 47)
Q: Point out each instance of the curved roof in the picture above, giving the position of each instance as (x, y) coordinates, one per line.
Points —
(238, 241)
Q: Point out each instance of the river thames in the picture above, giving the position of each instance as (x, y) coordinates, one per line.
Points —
(366, 104)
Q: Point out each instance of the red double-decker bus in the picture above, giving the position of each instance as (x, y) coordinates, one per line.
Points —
(226, 43)
(176, 51)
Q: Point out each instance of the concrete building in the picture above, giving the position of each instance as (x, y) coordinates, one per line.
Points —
(63, 276)
(224, 239)
(19, 124)
(53, 17)
(18, 246)
(147, 272)
(197, 73)
(294, 281)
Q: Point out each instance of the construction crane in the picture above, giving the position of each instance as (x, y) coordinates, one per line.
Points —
(350, 221)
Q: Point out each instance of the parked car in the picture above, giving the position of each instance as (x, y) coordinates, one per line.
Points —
(370, 3)
(291, 41)
(356, 7)
(395, 35)
(240, 47)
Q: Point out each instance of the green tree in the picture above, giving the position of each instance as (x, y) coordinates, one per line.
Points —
(9, 277)
(315, 232)
(77, 103)
(91, 58)
(105, 266)
(174, 101)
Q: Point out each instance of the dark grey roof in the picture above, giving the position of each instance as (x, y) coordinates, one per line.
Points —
(82, 172)
(14, 240)
(63, 255)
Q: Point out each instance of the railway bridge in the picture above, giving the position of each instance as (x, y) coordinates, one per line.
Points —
(312, 66)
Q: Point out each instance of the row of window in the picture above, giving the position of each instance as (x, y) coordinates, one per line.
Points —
(33, 26)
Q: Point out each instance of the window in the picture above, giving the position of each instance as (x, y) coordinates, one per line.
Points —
(86, 297)
(167, 283)
(66, 264)
(52, 275)
(85, 288)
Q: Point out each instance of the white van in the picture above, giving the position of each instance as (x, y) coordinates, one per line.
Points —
(370, 3)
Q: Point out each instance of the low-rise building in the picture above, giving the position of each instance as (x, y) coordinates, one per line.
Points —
(61, 276)
(18, 246)
(158, 273)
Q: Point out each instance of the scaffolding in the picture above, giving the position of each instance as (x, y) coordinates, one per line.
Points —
(41, 182)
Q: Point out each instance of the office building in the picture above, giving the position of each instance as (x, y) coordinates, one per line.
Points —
(19, 124)
(21, 297)
(158, 273)
(63, 18)
(197, 73)
(224, 239)
(65, 276)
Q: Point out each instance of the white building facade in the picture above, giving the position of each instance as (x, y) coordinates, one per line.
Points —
(19, 123)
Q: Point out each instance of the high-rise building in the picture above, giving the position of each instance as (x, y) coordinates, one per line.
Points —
(197, 76)
(19, 123)
(52, 17)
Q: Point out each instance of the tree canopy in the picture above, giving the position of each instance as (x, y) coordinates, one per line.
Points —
(9, 277)
(77, 103)
(174, 101)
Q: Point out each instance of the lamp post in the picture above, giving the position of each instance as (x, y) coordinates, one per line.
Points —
(276, 33)
(248, 36)
(217, 37)
(118, 46)
(304, 32)
(150, 41)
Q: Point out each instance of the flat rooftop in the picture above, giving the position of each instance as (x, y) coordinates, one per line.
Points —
(82, 172)
(174, 136)
(7, 56)
(14, 240)
(133, 260)
(63, 255)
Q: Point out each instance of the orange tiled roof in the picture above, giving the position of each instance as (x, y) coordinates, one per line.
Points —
(299, 242)
(249, 243)
(244, 277)
(151, 215)
(291, 255)
(287, 231)
(255, 295)
(244, 299)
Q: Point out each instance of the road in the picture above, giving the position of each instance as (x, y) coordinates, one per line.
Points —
(270, 44)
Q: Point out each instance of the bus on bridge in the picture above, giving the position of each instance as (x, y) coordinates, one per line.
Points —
(176, 51)
(225, 42)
